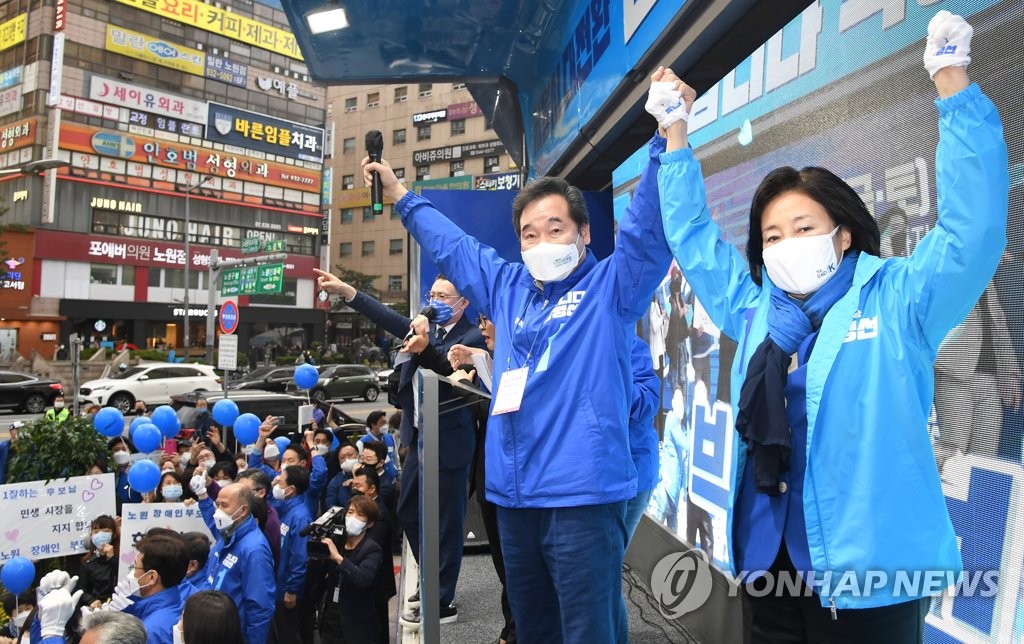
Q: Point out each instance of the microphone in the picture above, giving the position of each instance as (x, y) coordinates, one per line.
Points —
(428, 312)
(374, 149)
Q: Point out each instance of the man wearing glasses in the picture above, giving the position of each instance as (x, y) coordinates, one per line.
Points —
(450, 327)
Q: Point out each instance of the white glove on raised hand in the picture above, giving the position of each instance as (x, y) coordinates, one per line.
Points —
(53, 580)
(198, 484)
(948, 44)
(57, 607)
(665, 104)
(118, 602)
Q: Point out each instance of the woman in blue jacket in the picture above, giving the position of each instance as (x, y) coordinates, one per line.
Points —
(838, 483)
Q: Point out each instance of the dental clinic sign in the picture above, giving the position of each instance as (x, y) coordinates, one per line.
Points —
(232, 126)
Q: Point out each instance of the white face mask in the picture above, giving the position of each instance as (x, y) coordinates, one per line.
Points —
(20, 619)
(280, 493)
(121, 458)
(223, 520)
(185, 458)
(801, 265)
(178, 636)
(549, 262)
(349, 464)
(354, 526)
(132, 583)
(322, 449)
(58, 404)
(207, 464)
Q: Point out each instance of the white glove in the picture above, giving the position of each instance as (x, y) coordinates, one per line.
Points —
(948, 44)
(54, 580)
(665, 104)
(118, 602)
(57, 607)
(198, 484)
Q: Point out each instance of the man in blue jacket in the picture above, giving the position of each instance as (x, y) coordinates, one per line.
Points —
(158, 570)
(289, 498)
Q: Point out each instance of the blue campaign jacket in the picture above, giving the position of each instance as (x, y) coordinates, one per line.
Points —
(291, 569)
(872, 496)
(317, 478)
(158, 613)
(243, 568)
(643, 438)
(581, 331)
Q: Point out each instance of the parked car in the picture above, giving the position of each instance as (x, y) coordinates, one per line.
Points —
(153, 384)
(382, 379)
(27, 393)
(343, 382)
(263, 404)
(264, 379)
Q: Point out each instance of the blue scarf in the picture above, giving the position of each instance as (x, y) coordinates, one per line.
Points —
(762, 420)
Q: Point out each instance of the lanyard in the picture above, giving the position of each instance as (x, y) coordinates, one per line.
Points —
(522, 319)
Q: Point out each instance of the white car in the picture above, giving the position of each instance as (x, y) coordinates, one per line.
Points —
(153, 384)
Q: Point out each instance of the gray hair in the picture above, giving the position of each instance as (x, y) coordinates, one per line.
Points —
(114, 628)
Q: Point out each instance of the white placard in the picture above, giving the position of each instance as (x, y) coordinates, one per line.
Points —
(137, 518)
(305, 415)
(227, 352)
(51, 519)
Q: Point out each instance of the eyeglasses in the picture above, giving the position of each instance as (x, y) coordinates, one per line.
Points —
(441, 296)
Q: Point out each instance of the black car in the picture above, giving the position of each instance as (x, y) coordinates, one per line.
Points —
(264, 379)
(27, 393)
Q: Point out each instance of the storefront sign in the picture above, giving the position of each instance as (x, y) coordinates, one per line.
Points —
(10, 101)
(498, 181)
(325, 187)
(155, 50)
(445, 183)
(90, 108)
(12, 274)
(115, 204)
(424, 118)
(12, 32)
(279, 85)
(143, 123)
(11, 77)
(232, 126)
(227, 71)
(223, 22)
(60, 16)
(108, 90)
(465, 110)
(455, 152)
(18, 134)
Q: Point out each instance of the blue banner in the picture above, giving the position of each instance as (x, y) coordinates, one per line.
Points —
(232, 126)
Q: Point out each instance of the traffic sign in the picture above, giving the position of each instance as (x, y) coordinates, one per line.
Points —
(274, 246)
(251, 245)
(228, 318)
(252, 280)
(270, 278)
(227, 352)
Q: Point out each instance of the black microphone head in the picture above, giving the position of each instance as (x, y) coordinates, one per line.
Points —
(374, 142)
(429, 312)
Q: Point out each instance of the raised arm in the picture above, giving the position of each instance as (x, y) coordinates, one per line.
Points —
(391, 321)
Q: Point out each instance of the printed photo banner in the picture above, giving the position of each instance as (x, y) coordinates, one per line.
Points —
(137, 518)
(44, 519)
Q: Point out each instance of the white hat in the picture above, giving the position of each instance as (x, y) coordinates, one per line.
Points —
(18, 424)
(271, 451)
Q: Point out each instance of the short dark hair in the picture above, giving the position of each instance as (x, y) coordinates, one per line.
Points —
(186, 491)
(166, 555)
(378, 448)
(365, 506)
(298, 476)
(843, 205)
(197, 545)
(375, 416)
(543, 187)
(325, 431)
(224, 467)
(26, 598)
(299, 450)
(211, 617)
(372, 478)
(395, 421)
(260, 479)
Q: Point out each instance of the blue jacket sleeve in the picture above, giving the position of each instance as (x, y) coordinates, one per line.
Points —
(5, 447)
(258, 595)
(317, 477)
(642, 255)
(716, 271)
(337, 494)
(949, 269)
(384, 316)
(295, 576)
(206, 509)
(646, 385)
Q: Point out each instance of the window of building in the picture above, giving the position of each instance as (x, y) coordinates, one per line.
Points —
(492, 164)
(457, 168)
(367, 213)
(401, 94)
(457, 86)
(398, 137)
(103, 274)
(394, 282)
(372, 100)
(395, 247)
(422, 172)
(350, 104)
(399, 172)
(348, 181)
(425, 89)
(346, 215)
(345, 249)
(349, 144)
(154, 277)
(128, 275)
(175, 278)
(458, 126)
(368, 248)
(423, 132)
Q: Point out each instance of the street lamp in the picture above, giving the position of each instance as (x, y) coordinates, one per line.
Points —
(188, 261)
(36, 167)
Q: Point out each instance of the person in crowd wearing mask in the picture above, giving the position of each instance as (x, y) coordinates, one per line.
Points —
(209, 617)
(185, 464)
(294, 454)
(203, 419)
(339, 488)
(58, 413)
(450, 327)
(153, 583)
(836, 352)
(241, 461)
(350, 612)
(223, 472)
(121, 449)
(373, 457)
(288, 490)
(366, 483)
(395, 429)
(265, 513)
(98, 574)
(197, 546)
(376, 432)
(322, 439)
(240, 562)
(140, 409)
(5, 447)
(172, 489)
(21, 610)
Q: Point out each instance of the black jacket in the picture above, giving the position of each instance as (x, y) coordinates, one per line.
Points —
(354, 615)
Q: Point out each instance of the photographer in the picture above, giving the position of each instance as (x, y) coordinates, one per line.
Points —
(350, 614)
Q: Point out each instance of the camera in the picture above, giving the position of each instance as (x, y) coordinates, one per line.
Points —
(329, 524)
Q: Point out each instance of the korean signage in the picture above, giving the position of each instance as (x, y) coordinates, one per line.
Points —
(226, 71)
(118, 205)
(138, 518)
(11, 77)
(52, 519)
(325, 187)
(252, 280)
(223, 22)
(498, 181)
(90, 108)
(465, 110)
(232, 126)
(18, 135)
(60, 16)
(251, 245)
(454, 152)
(279, 85)
(108, 90)
(143, 123)
(424, 118)
(445, 183)
(12, 274)
(155, 50)
(12, 32)
(149, 151)
(10, 100)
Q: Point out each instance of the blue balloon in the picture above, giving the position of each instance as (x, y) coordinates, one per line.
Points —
(18, 575)
(306, 376)
(247, 427)
(282, 443)
(166, 420)
(138, 420)
(148, 438)
(109, 421)
(144, 475)
(225, 412)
